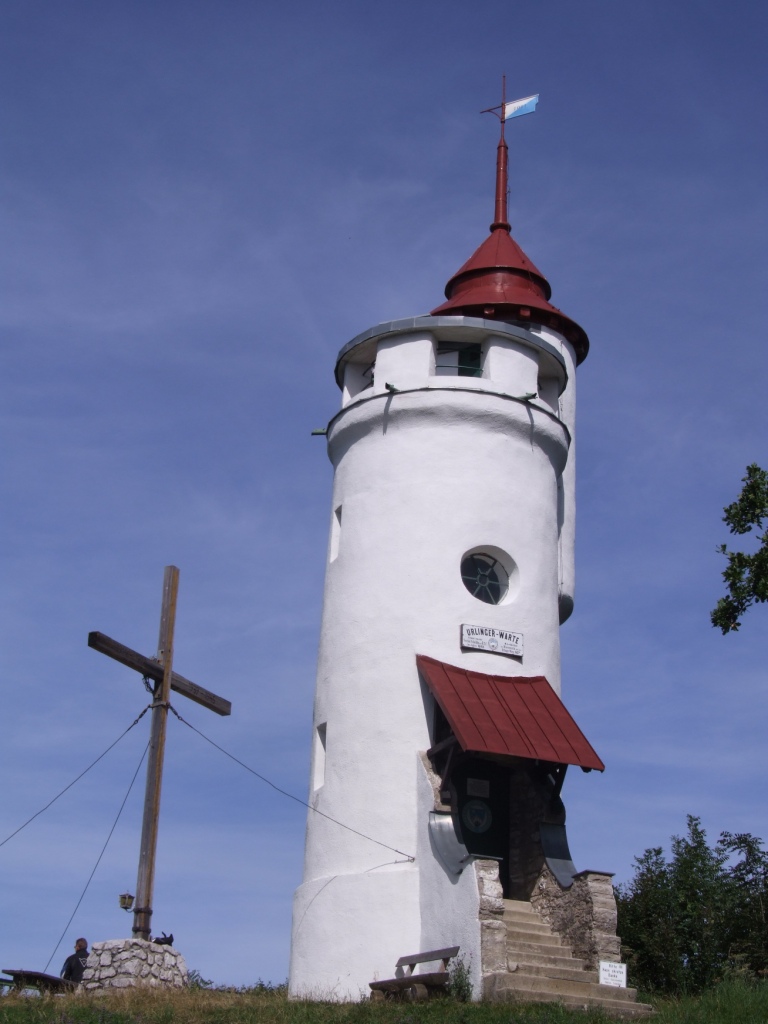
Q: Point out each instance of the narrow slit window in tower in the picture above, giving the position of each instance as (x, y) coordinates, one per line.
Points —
(335, 533)
(318, 772)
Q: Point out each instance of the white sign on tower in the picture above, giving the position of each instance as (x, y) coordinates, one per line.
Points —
(488, 638)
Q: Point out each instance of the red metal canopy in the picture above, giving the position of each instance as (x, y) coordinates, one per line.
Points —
(517, 716)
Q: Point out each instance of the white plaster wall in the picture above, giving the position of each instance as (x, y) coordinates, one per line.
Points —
(449, 904)
(404, 361)
(567, 407)
(421, 477)
(355, 381)
(512, 366)
(343, 936)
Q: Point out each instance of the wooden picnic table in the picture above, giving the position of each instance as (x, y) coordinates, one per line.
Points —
(37, 979)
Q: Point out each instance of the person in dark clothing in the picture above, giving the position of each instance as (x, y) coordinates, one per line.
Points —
(74, 965)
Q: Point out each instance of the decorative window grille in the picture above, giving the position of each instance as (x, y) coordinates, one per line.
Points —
(485, 577)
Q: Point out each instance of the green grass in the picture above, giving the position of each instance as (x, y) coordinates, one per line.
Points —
(729, 1003)
(732, 1002)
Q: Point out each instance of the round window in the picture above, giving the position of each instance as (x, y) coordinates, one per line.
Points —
(485, 577)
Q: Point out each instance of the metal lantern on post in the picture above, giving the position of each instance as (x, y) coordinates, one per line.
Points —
(126, 901)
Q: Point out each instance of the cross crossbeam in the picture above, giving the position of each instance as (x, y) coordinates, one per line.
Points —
(152, 669)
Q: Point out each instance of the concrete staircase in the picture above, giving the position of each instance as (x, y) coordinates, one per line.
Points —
(542, 969)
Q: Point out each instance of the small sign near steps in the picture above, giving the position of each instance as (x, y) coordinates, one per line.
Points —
(613, 974)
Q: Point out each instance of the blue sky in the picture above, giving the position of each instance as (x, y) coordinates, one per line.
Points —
(200, 203)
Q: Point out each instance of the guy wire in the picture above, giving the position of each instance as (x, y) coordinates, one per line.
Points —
(289, 795)
(98, 861)
(51, 802)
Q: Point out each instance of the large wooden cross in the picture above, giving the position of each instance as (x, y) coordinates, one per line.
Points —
(160, 670)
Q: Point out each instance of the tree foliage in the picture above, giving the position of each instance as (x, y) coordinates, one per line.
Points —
(688, 922)
(746, 576)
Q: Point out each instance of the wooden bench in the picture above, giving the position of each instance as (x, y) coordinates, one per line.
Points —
(36, 979)
(416, 986)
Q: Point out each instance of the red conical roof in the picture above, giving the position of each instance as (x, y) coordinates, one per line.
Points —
(499, 282)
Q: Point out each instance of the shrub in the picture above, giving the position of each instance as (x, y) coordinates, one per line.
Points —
(460, 984)
(688, 922)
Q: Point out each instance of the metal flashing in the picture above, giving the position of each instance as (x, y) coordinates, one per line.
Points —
(443, 327)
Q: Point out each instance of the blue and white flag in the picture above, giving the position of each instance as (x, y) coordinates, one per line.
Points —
(516, 108)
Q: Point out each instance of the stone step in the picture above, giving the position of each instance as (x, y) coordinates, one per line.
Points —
(625, 1011)
(522, 988)
(532, 927)
(545, 960)
(548, 948)
(517, 914)
(522, 981)
(534, 923)
(542, 968)
(581, 987)
(528, 927)
(569, 970)
(522, 905)
(545, 938)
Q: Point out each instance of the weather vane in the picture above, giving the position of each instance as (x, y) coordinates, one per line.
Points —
(515, 108)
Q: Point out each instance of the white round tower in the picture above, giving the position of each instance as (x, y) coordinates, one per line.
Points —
(451, 542)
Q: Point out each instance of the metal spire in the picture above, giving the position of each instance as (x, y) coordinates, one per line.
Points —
(500, 214)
